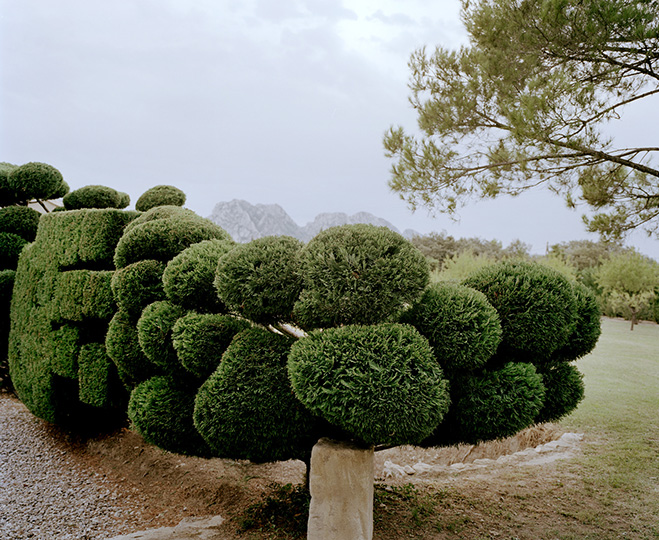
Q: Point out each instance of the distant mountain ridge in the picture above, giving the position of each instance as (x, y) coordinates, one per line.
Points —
(245, 221)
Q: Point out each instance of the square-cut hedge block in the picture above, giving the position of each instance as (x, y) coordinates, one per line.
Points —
(82, 294)
(101, 231)
(66, 341)
(95, 375)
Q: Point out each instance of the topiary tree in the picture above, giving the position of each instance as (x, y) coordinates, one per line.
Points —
(32, 181)
(95, 197)
(160, 196)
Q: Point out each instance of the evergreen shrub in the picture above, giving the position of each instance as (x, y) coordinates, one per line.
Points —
(36, 180)
(536, 306)
(358, 274)
(154, 332)
(161, 410)
(246, 410)
(261, 280)
(188, 278)
(66, 349)
(200, 340)
(160, 196)
(564, 390)
(6, 287)
(162, 212)
(20, 220)
(460, 324)
(10, 248)
(162, 239)
(493, 405)
(380, 383)
(123, 347)
(83, 294)
(7, 194)
(137, 285)
(99, 385)
(95, 197)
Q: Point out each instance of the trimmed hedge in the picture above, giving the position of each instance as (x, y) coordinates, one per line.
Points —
(162, 239)
(6, 287)
(160, 196)
(123, 347)
(66, 349)
(162, 212)
(154, 332)
(95, 197)
(587, 330)
(188, 278)
(137, 285)
(99, 384)
(83, 294)
(380, 383)
(261, 280)
(494, 405)
(161, 411)
(10, 249)
(536, 305)
(7, 194)
(358, 274)
(20, 220)
(36, 180)
(564, 391)
(460, 324)
(246, 409)
(201, 339)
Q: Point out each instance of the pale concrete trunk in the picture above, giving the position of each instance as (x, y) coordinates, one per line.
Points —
(341, 485)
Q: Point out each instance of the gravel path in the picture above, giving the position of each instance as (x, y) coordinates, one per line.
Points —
(47, 492)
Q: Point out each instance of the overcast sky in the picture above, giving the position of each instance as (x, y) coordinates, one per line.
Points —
(272, 102)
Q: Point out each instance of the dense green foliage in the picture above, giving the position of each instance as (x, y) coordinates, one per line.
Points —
(358, 274)
(527, 101)
(460, 324)
(10, 248)
(246, 409)
(20, 220)
(35, 180)
(95, 197)
(6, 288)
(161, 410)
(137, 285)
(261, 280)
(160, 196)
(564, 390)
(200, 340)
(154, 332)
(536, 305)
(188, 278)
(357, 378)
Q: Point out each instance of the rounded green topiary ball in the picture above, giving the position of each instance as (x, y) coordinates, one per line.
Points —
(358, 274)
(36, 180)
(154, 332)
(587, 330)
(200, 340)
(137, 285)
(160, 196)
(161, 411)
(536, 306)
(261, 280)
(20, 220)
(246, 409)
(564, 390)
(188, 278)
(11, 246)
(95, 196)
(493, 405)
(380, 383)
(460, 324)
(163, 239)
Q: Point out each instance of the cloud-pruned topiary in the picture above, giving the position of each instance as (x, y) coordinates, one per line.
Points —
(11, 246)
(154, 332)
(36, 180)
(200, 340)
(188, 278)
(564, 390)
(261, 280)
(95, 196)
(163, 239)
(536, 305)
(460, 324)
(380, 383)
(7, 194)
(587, 329)
(358, 274)
(160, 196)
(161, 410)
(92, 298)
(137, 285)
(246, 410)
(20, 220)
(491, 405)
(6, 288)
